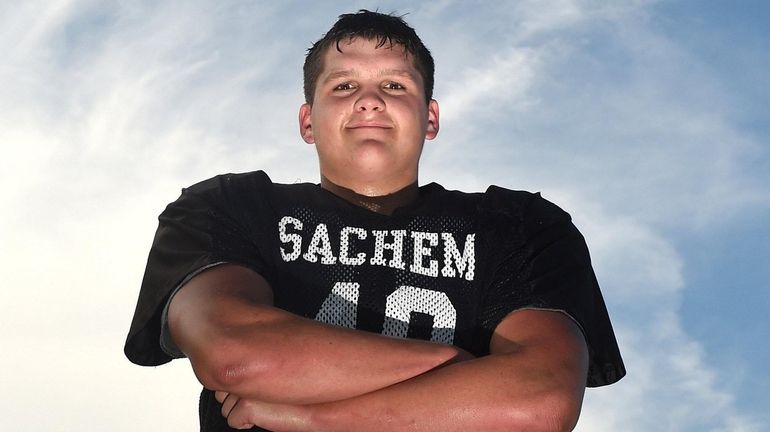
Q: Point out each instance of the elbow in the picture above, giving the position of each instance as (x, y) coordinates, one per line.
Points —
(552, 413)
(561, 417)
(226, 367)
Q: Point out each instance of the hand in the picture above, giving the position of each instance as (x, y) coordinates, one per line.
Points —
(246, 413)
(229, 402)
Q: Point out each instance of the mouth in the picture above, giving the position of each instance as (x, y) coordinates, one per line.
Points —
(368, 125)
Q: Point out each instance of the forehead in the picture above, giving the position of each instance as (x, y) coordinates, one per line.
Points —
(362, 53)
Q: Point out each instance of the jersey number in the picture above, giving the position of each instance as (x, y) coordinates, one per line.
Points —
(341, 308)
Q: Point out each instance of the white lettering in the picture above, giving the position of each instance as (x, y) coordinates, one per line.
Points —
(434, 254)
(466, 263)
(345, 245)
(294, 239)
(420, 252)
(396, 247)
(320, 245)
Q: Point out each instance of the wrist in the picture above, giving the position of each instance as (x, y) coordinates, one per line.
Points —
(459, 356)
(289, 418)
(322, 417)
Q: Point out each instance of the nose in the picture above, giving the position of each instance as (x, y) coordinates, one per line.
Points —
(370, 101)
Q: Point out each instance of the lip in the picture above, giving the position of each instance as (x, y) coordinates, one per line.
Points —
(368, 125)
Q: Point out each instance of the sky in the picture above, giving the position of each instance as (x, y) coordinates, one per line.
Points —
(648, 121)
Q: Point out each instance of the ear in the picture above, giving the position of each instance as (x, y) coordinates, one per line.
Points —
(305, 126)
(433, 123)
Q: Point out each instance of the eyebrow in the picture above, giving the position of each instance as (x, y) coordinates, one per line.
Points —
(339, 74)
(397, 72)
(346, 73)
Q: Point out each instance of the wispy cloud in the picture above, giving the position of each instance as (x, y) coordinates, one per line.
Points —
(111, 108)
(632, 134)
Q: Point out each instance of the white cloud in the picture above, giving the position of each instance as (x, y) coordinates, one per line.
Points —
(670, 385)
(110, 109)
(501, 81)
(621, 135)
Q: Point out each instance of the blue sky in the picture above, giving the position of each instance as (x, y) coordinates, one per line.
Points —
(646, 120)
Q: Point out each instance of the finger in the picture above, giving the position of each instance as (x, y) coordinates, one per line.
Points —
(220, 396)
(228, 404)
(239, 417)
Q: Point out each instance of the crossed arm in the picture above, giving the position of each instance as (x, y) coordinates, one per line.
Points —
(286, 373)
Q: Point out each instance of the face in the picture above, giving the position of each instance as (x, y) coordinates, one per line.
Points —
(369, 118)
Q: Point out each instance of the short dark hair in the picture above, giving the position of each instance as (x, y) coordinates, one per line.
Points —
(385, 29)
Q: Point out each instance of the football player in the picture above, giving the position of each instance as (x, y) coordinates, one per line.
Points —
(369, 301)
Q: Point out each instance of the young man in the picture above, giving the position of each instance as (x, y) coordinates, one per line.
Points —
(368, 302)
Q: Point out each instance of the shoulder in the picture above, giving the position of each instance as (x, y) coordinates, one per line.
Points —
(507, 206)
(229, 183)
(250, 185)
(528, 208)
(221, 195)
(248, 188)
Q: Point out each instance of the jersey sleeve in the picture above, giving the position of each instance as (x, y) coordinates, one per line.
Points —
(542, 262)
(205, 226)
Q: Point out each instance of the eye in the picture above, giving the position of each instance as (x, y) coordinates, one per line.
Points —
(344, 86)
(392, 85)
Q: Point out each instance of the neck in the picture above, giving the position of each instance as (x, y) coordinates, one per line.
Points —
(384, 204)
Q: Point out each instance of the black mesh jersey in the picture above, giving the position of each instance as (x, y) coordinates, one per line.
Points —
(448, 267)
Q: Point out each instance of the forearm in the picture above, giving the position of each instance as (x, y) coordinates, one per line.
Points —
(295, 360)
(534, 384)
(494, 393)
(239, 345)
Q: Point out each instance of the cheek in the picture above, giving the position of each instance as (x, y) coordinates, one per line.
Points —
(329, 118)
(411, 112)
